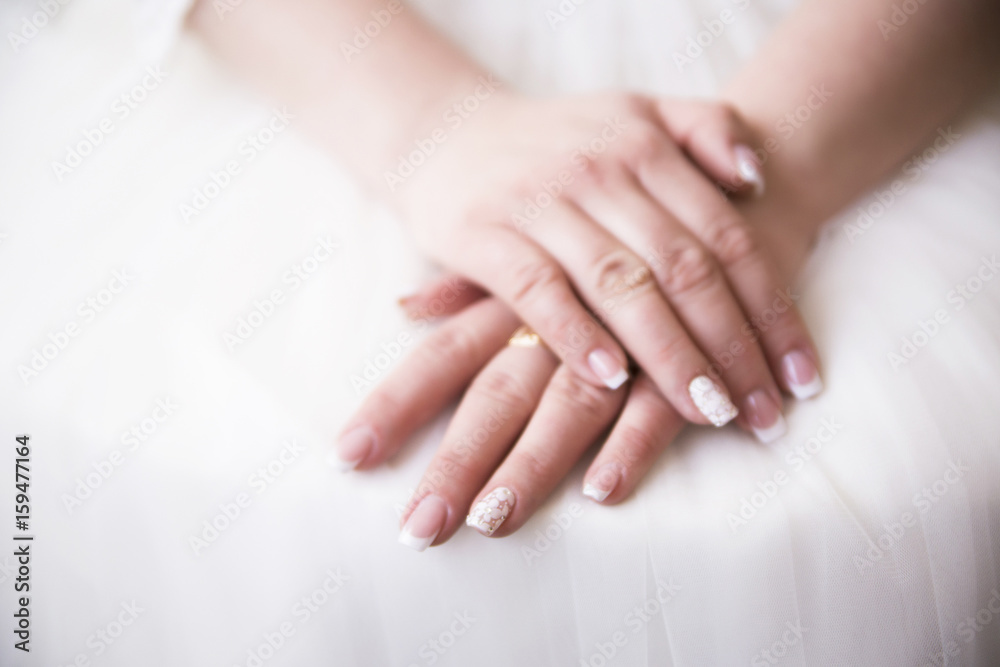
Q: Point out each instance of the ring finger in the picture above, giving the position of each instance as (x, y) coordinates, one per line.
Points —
(571, 416)
(698, 290)
(492, 413)
(618, 286)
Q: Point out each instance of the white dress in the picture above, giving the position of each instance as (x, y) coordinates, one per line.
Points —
(185, 301)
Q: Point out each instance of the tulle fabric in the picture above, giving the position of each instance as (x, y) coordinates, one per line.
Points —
(869, 535)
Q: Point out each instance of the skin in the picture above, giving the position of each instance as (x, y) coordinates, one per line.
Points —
(611, 215)
(887, 95)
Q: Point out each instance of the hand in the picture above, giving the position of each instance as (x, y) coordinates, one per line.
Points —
(563, 208)
(520, 394)
(514, 390)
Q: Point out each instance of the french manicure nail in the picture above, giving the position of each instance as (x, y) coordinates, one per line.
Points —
(607, 368)
(424, 523)
(764, 416)
(801, 374)
(491, 511)
(600, 486)
(746, 164)
(595, 493)
(712, 401)
(352, 448)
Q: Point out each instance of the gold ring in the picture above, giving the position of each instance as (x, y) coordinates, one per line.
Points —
(639, 277)
(525, 336)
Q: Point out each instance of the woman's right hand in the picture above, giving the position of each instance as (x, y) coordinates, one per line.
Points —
(587, 217)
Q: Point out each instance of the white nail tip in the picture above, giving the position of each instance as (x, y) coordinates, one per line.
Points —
(340, 464)
(416, 543)
(803, 391)
(752, 176)
(592, 491)
(712, 401)
(746, 164)
(773, 432)
(487, 516)
(617, 380)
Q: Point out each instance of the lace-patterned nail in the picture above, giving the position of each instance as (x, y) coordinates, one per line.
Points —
(712, 401)
(491, 511)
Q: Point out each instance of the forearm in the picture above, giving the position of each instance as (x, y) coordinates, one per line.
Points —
(887, 92)
(364, 103)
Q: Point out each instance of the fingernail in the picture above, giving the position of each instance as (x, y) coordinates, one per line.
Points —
(764, 416)
(607, 368)
(491, 511)
(600, 486)
(712, 401)
(425, 523)
(352, 448)
(746, 165)
(412, 307)
(801, 374)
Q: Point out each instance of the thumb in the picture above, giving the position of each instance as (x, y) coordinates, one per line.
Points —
(718, 140)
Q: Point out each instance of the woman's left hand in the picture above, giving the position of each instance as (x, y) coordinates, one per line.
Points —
(523, 423)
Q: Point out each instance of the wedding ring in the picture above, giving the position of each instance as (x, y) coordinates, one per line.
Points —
(525, 336)
(639, 277)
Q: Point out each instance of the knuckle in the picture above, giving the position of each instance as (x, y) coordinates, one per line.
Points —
(675, 349)
(533, 278)
(582, 397)
(593, 174)
(732, 241)
(690, 268)
(640, 144)
(450, 346)
(614, 270)
(498, 386)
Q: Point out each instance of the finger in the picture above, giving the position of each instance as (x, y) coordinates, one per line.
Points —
(698, 292)
(719, 141)
(646, 427)
(535, 286)
(445, 362)
(442, 296)
(494, 410)
(768, 304)
(618, 286)
(570, 417)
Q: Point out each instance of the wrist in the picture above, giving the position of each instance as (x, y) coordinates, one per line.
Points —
(785, 216)
(445, 107)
